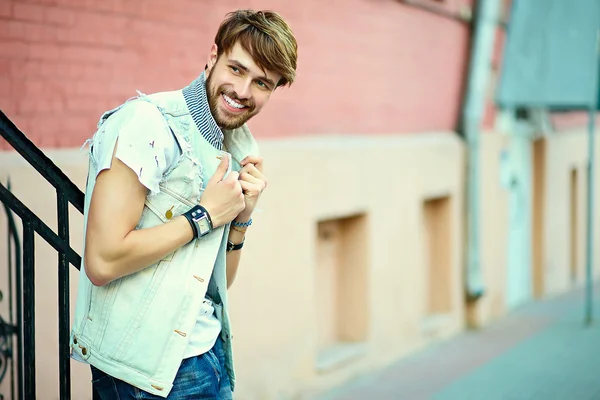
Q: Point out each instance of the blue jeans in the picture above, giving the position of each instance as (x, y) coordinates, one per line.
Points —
(200, 377)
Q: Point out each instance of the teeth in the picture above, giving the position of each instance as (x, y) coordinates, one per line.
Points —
(232, 103)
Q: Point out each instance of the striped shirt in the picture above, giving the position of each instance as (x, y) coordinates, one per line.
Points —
(196, 100)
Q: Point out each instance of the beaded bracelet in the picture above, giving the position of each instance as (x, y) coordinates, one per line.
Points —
(242, 224)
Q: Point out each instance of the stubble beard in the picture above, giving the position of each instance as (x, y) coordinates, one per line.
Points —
(228, 121)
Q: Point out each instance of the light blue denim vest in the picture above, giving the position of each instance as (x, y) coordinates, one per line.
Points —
(137, 327)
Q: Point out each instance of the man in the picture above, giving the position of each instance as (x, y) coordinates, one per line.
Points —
(173, 181)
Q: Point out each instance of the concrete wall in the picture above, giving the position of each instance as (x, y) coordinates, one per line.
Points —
(387, 196)
(399, 200)
(494, 232)
(564, 229)
(559, 219)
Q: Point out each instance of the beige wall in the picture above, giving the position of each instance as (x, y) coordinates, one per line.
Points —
(494, 232)
(565, 152)
(337, 274)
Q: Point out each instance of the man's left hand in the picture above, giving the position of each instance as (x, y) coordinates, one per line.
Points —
(253, 183)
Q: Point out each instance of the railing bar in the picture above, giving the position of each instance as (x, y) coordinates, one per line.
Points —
(40, 227)
(40, 161)
(63, 300)
(29, 310)
(11, 339)
(13, 240)
(19, 321)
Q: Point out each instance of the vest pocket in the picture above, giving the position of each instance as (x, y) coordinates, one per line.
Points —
(163, 207)
(134, 298)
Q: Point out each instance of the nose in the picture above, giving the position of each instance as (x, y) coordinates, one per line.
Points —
(242, 89)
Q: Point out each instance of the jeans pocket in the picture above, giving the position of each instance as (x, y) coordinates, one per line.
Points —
(214, 363)
(105, 386)
(111, 388)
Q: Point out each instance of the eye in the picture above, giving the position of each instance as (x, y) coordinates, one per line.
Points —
(235, 69)
(262, 84)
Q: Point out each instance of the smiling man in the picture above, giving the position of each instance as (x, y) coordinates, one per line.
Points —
(173, 181)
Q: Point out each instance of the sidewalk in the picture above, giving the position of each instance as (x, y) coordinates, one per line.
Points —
(541, 351)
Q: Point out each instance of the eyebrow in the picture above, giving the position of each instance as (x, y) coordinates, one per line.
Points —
(242, 66)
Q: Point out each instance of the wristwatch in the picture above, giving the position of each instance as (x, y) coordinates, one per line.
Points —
(200, 221)
(232, 247)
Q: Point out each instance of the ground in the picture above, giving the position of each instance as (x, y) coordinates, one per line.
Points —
(541, 351)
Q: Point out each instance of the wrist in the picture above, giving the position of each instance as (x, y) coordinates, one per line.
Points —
(242, 218)
(200, 221)
(215, 220)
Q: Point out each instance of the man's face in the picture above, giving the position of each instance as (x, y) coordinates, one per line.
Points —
(237, 88)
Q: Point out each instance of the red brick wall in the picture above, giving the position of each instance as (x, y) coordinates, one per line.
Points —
(364, 66)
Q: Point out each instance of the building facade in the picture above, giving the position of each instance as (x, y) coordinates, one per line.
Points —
(357, 257)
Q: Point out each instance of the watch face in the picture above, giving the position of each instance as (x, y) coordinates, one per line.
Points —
(203, 225)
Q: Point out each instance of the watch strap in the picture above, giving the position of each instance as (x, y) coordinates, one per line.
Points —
(233, 247)
(193, 215)
(188, 216)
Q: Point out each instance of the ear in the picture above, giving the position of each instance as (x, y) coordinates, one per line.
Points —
(212, 58)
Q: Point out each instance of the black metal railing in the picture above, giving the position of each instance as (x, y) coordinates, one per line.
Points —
(22, 329)
(9, 330)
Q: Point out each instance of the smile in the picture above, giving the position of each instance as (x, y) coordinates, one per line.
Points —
(232, 103)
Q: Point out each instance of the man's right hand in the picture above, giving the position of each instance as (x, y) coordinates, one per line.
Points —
(223, 198)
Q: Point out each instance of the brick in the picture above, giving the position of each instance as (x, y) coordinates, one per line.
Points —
(44, 2)
(18, 30)
(60, 16)
(29, 12)
(5, 8)
(5, 86)
(69, 3)
(20, 69)
(6, 30)
(71, 71)
(5, 66)
(14, 50)
(33, 88)
(88, 54)
(130, 7)
(103, 37)
(35, 70)
(90, 104)
(97, 21)
(44, 51)
(96, 72)
(30, 69)
(49, 102)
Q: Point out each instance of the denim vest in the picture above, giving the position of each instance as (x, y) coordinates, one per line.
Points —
(136, 328)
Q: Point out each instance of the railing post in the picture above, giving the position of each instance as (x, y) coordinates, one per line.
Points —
(63, 300)
(29, 310)
(13, 240)
(19, 324)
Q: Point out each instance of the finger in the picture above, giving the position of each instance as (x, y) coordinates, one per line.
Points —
(221, 170)
(249, 178)
(232, 177)
(251, 159)
(250, 189)
(246, 168)
(256, 160)
(252, 170)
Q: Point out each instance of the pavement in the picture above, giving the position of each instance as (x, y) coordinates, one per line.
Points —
(542, 350)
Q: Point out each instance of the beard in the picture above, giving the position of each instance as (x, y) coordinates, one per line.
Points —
(224, 118)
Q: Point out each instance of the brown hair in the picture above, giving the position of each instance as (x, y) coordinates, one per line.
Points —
(266, 36)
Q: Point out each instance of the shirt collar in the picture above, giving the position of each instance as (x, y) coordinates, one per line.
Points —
(196, 100)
